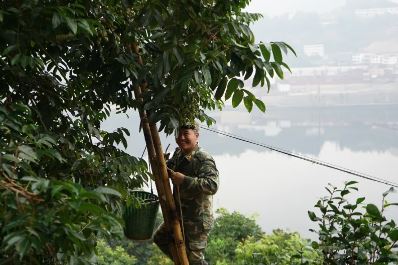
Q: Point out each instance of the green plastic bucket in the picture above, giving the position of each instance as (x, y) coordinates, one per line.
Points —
(140, 215)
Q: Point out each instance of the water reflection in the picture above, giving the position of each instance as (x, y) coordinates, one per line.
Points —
(281, 189)
(305, 130)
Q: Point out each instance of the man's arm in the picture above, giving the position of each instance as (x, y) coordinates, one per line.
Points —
(207, 180)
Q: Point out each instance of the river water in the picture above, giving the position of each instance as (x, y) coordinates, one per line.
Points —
(278, 189)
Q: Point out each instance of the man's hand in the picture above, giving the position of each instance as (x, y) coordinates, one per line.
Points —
(176, 177)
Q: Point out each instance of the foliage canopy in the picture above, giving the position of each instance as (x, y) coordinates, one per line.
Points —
(64, 65)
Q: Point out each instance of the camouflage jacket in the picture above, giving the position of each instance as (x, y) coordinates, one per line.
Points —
(200, 183)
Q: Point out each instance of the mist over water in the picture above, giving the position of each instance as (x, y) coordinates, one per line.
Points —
(279, 189)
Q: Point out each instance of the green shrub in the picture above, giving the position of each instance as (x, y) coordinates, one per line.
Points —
(352, 232)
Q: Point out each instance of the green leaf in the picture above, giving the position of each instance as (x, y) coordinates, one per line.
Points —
(197, 77)
(393, 234)
(207, 75)
(248, 101)
(286, 66)
(335, 209)
(282, 46)
(350, 183)
(257, 77)
(9, 49)
(312, 216)
(269, 69)
(315, 245)
(27, 153)
(166, 62)
(56, 21)
(218, 65)
(15, 59)
(178, 56)
(9, 170)
(278, 70)
(14, 239)
(373, 211)
(237, 98)
(126, 131)
(10, 158)
(249, 72)
(83, 24)
(221, 88)
(124, 142)
(23, 246)
(276, 51)
(268, 83)
(290, 48)
(90, 207)
(232, 86)
(46, 140)
(260, 105)
(32, 232)
(110, 191)
(71, 24)
(390, 190)
(265, 52)
(344, 192)
(28, 178)
(360, 200)
(249, 94)
(56, 190)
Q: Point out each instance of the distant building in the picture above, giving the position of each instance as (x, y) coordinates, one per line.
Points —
(371, 58)
(325, 70)
(314, 50)
(372, 12)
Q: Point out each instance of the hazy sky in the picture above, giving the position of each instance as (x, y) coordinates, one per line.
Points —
(274, 8)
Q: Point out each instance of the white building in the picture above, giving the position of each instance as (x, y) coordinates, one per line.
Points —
(325, 70)
(372, 12)
(372, 58)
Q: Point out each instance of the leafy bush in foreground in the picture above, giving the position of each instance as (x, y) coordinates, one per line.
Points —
(354, 232)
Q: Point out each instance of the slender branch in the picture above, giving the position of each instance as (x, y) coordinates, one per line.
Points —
(11, 185)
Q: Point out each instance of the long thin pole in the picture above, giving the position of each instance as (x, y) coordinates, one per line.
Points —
(155, 168)
(175, 223)
(163, 187)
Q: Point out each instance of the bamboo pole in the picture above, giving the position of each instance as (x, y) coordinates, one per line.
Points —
(155, 168)
(158, 163)
(175, 223)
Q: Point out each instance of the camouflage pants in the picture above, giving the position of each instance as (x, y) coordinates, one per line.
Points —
(195, 239)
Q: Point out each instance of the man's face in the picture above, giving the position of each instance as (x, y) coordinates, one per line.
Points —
(187, 140)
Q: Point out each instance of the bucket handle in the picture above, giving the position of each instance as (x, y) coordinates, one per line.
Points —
(142, 155)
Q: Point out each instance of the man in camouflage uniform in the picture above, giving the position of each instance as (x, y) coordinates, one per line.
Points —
(195, 178)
